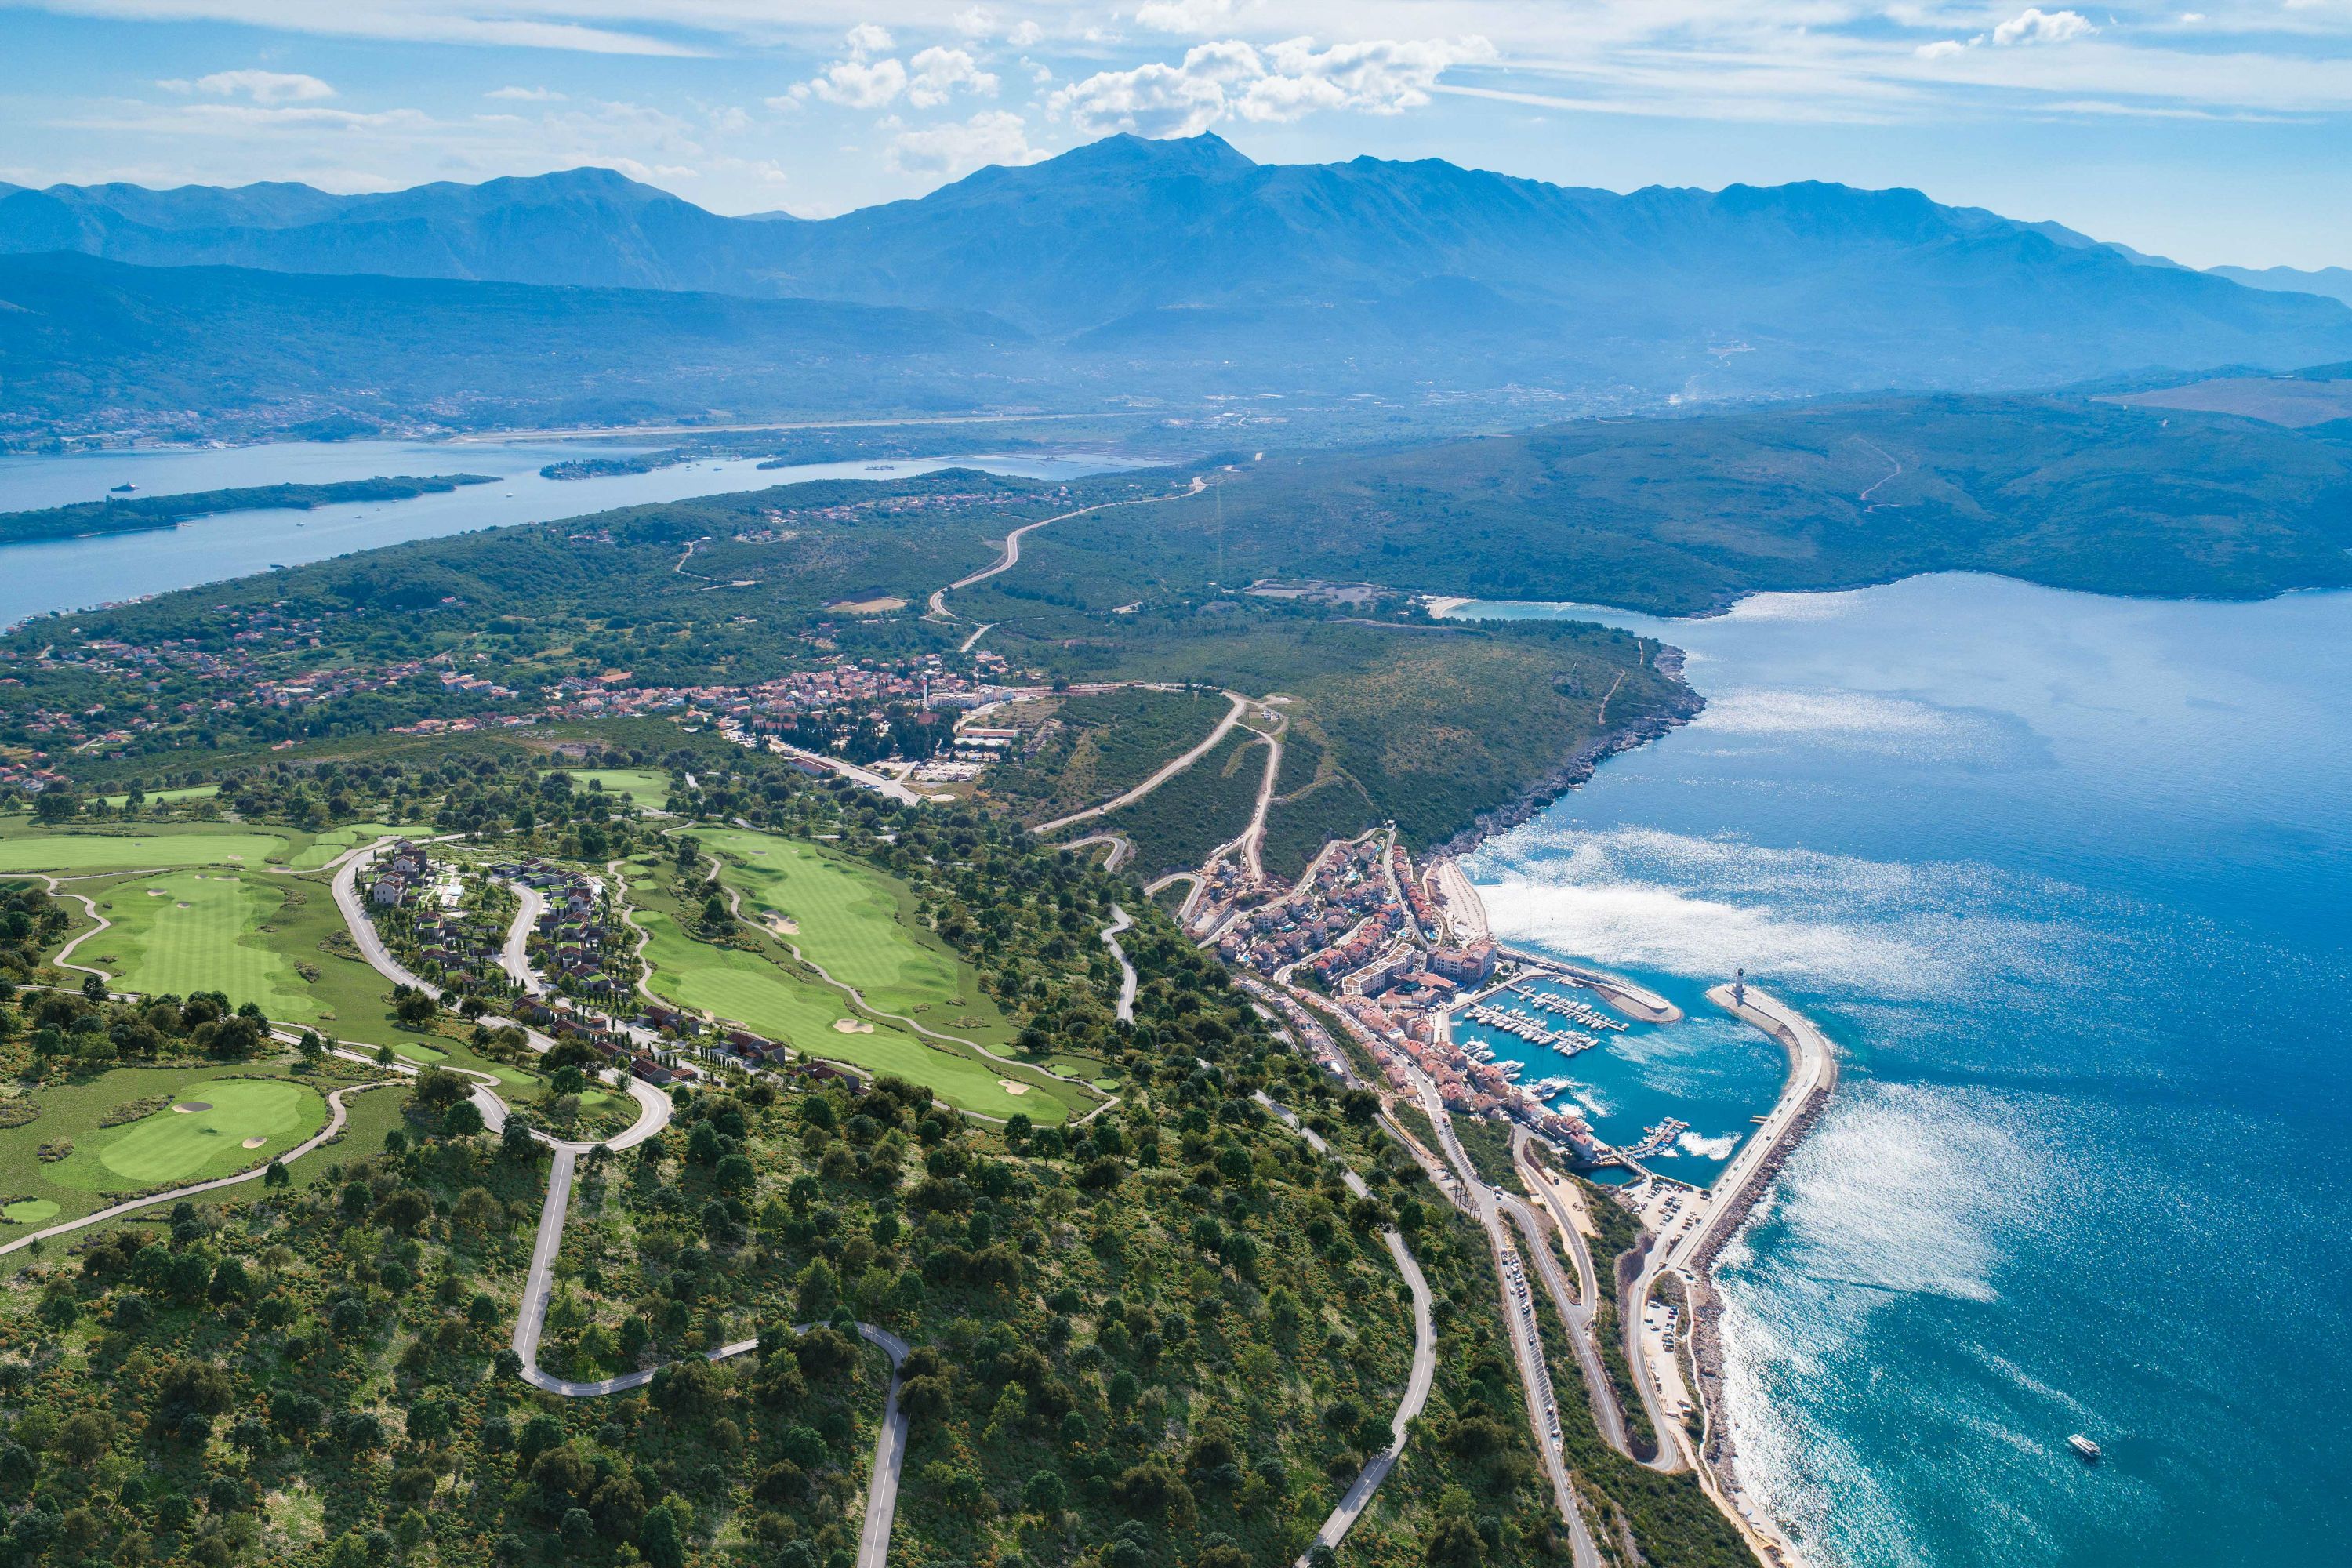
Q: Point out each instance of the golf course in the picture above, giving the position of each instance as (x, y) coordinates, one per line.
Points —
(858, 925)
(809, 1015)
(201, 930)
(172, 1126)
(179, 843)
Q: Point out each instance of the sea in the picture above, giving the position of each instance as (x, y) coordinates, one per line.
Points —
(2068, 880)
(77, 573)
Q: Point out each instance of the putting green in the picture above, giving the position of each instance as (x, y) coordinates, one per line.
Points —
(178, 1145)
(201, 930)
(29, 1211)
(75, 852)
(849, 924)
(747, 988)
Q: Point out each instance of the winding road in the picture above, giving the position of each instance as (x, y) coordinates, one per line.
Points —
(1125, 1008)
(1009, 555)
(1166, 771)
(1418, 1381)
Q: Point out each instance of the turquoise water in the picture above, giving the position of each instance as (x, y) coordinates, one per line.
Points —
(2066, 879)
(1708, 1070)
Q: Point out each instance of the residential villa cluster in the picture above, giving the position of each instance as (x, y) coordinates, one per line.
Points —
(577, 942)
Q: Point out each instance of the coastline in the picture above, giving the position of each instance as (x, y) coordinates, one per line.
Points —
(1579, 765)
(1812, 1075)
(1690, 1256)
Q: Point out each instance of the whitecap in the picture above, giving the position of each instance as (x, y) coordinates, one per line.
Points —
(1709, 1148)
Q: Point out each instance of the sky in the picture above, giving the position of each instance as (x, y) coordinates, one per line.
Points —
(2211, 135)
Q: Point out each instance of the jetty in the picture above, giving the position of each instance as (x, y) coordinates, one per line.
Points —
(1688, 1249)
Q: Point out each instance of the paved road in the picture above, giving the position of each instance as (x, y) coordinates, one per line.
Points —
(1124, 1010)
(1253, 838)
(880, 784)
(1122, 847)
(1418, 1381)
(1232, 716)
(1575, 1311)
(64, 958)
(1527, 1340)
(890, 1444)
(515, 957)
(1010, 554)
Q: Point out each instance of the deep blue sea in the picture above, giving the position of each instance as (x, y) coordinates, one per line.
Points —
(2068, 880)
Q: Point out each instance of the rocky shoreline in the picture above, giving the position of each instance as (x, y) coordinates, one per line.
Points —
(1720, 1453)
(1580, 764)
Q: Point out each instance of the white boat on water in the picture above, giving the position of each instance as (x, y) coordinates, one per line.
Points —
(2085, 1450)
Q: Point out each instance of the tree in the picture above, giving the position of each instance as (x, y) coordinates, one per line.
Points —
(659, 1538)
(83, 1439)
(1046, 1493)
(415, 1010)
(819, 1290)
(94, 987)
(276, 1175)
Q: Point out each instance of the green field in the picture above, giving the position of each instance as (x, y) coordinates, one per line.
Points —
(644, 786)
(750, 990)
(195, 843)
(856, 924)
(164, 1148)
(201, 930)
(167, 796)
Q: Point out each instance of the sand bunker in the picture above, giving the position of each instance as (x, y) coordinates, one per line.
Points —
(190, 1107)
(852, 1026)
(255, 1143)
(1009, 1087)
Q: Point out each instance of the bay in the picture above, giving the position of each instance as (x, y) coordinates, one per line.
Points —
(75, 573)
(2066, 879)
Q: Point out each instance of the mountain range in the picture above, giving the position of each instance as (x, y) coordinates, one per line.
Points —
(1172, 269)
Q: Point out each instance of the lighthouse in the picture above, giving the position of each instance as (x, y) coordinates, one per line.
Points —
(1740, 987)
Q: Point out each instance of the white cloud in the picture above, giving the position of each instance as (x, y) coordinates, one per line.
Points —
(1941, 49)
(1025, 33)
(265, 86)
(1183, 15)
(527, 95)
(867, 38)
(858, 84)
(977, 22)
(2034, 25)
(991, 136)
(939, 72)
(1286, 81)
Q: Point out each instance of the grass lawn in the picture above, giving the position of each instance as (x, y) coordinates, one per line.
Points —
(859, 924)
(162, 1148)
(644, 786)
(335, 840)
(367, 1117)
(190, 844)
(201, 930)
(166, 796)
(758, 993)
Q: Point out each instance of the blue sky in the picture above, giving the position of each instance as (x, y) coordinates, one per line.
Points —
(2221, 134)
